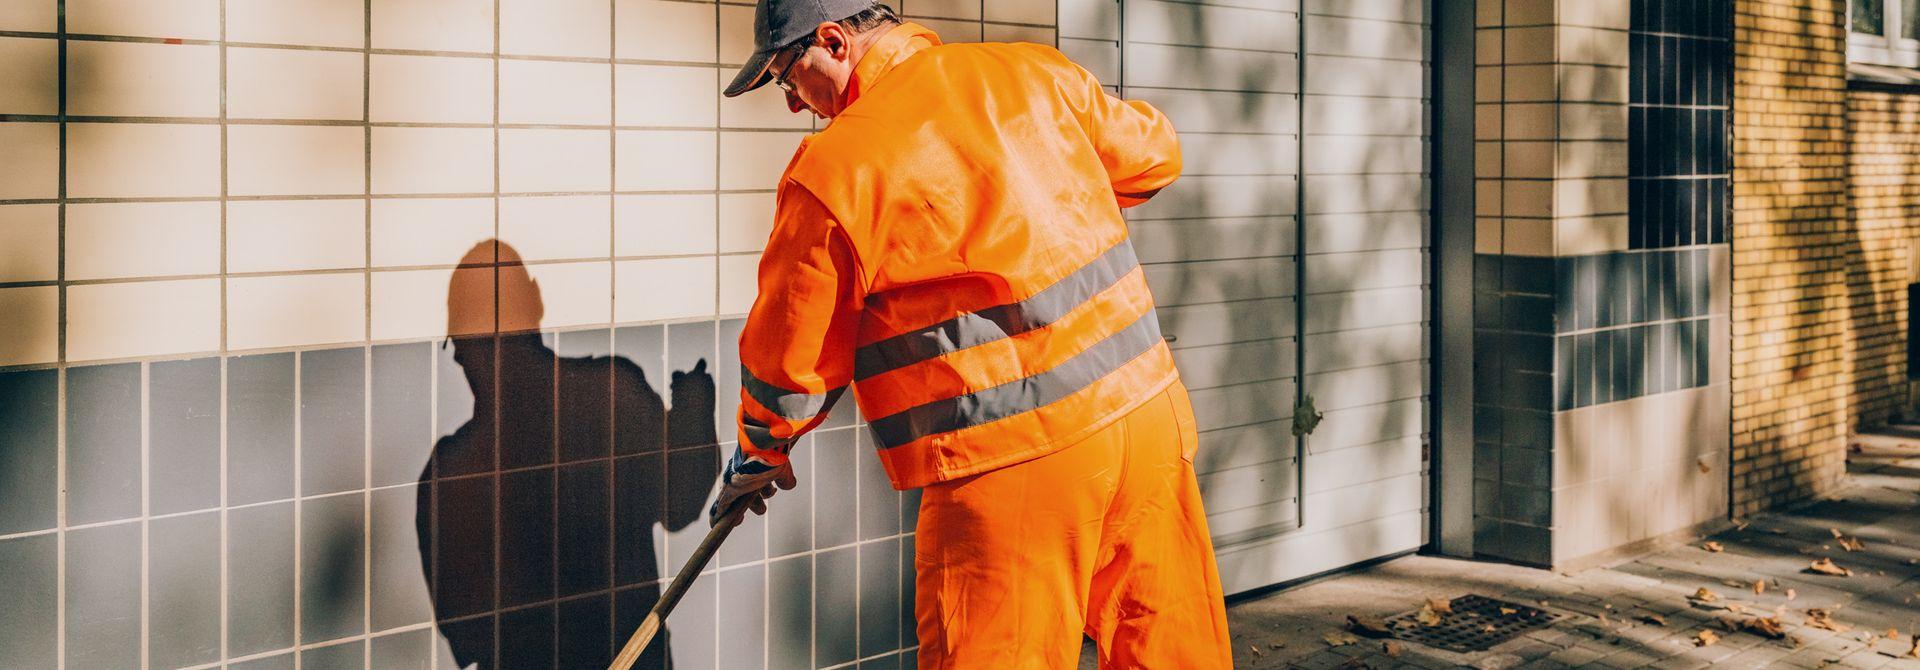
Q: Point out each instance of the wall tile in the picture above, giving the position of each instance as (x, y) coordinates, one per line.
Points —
(739, 283)
(694, 640)
(188, 19)
(835, 459)
(142, 239)
(260, 577)
(402, 411)
(666, 95)
(790, 614)
(546, 160)
(28, 455)
(276, 662)
(879, 503)
(641, 293)
(348, 656)
(836, 586)
(295, 310)
(413, 304)
(464, 534)
(573, 294)
(183, 607)
(746, 220)
(532, 634)
(296, 160)
(291, 235)
(526, 541)
(880, 604)
(332, 421)
(260, 425)
(30, 72)
(583, 543)
(103, 596)
(184, 435)
(691, 474)
(142, 319)
(586, 637)
(303, 22)
(433, 25)
(666, 30)
(31, 168)
(142, 79)
(295, 84)
(432, 231)
(744, 594)
(27, 626)
(465, 402)
(994, 32)
(639, 166)
(755, 160)
(32, 331)
(584, 404)
(432, 160)
(639, 499)
(411, 650)
(554, 28)
(664, 225)
(332, 567)
(30, 236)
(120, 160)
(555, 92)
(432, 89)
(556, 227)
(736, 34)
(397, 580)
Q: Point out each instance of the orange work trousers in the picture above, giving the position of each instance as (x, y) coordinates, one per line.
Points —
(1104, 538)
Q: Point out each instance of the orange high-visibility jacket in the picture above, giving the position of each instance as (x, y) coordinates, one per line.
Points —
(952, 247)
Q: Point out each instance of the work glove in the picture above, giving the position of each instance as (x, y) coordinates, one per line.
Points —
(750, 478)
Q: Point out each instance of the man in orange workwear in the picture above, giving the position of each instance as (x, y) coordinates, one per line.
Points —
(951, 246)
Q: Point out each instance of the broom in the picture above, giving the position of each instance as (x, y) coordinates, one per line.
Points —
(681, 582)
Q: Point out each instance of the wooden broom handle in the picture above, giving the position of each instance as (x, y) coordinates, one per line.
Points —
(681, 582)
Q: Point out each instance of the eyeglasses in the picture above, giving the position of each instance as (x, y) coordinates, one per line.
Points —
(781, 79)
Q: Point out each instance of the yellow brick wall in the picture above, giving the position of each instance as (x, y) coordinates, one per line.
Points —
(1790, 295)
(1883, 133)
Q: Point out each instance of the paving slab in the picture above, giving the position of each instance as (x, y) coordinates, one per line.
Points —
(1880, 507)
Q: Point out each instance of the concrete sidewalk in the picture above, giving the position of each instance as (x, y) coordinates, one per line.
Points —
(1640, 612)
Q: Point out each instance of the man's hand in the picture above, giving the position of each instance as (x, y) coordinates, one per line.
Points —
(751, 478)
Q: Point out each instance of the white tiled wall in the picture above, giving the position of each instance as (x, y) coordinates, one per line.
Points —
(202, 179)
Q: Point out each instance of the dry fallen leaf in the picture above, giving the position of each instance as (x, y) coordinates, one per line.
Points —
(1712, 546)
(1256, 650)
(1440, 606)
(1735, 583)
(1789, 594)
(1759, 586)
(1769, 627)
(1427, 615)
(1368, 626)
(1893, 633)
(1741, 524)
(1852, 544)
(1825, 566)
(1704, 595)
(1605, 622)
(1654, 619)
(1823, 618)
(1508, 611)
(1391, 648)
(1277, 645)
(1487, 628)
(1914, 652)
(1705, 638)
(1339, 638)
(1704, 468)
(1836, 533)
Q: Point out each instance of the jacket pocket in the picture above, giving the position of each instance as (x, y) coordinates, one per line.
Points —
(1183, 420)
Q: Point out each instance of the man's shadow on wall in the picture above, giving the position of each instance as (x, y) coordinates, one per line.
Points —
(535, 518)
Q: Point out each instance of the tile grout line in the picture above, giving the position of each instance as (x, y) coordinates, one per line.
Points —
(60, 376)
(493, 340)
(226, 542)
(299, 525)
(366, 381)
(146, 513)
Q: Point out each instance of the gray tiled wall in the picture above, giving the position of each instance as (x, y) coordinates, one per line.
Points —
(511, 501)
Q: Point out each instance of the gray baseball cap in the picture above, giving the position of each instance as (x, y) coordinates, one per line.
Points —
(778, 23)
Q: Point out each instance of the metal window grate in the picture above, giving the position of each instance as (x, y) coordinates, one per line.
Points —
(1476, 624)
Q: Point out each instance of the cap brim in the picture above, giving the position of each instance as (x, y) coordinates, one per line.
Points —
(752, 75)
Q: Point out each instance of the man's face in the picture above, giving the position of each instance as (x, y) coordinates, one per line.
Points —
(816, 78)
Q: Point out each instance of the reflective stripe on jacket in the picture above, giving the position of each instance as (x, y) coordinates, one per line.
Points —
(951, 246)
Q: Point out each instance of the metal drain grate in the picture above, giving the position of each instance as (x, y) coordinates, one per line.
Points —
(1476, 624)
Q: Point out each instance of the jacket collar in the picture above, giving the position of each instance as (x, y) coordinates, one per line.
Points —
(889, 51)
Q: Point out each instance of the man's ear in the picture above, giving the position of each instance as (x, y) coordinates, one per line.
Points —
(833, 37)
